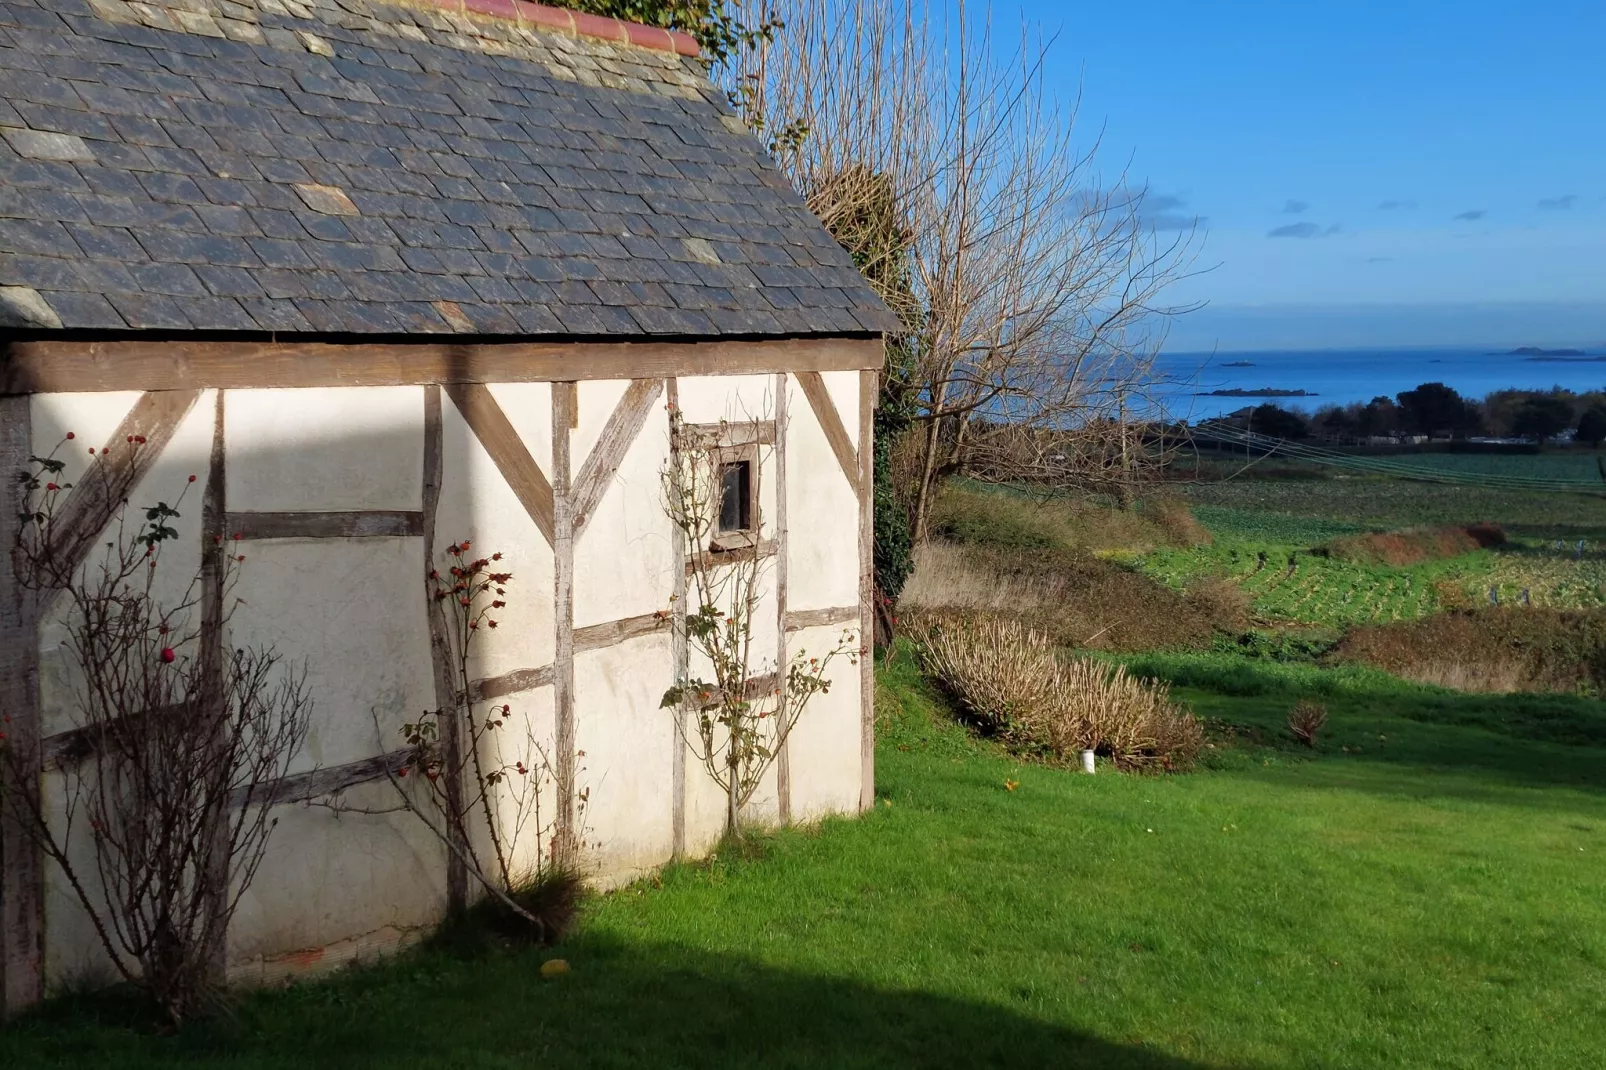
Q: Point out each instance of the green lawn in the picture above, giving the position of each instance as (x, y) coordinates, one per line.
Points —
(1430, 898)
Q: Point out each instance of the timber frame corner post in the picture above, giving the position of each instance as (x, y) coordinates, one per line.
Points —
(21, 859)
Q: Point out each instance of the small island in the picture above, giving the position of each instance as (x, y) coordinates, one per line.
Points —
(1262, 392)
(1536, 353)
(1239, 364)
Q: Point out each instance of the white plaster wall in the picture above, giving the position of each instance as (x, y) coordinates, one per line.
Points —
(526, 805)
(331, 879)
(625, 559)
(352, 613)
(822, 509)
(91, 418)
(477, 504)
(627, 742)
(325, 449)
(167, 480)
(824, 745)
(72, 951)
(708, 399)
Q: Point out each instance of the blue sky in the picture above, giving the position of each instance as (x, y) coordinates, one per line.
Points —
(1365, 173)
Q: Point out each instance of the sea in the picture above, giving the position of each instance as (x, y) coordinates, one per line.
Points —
(1340, 376)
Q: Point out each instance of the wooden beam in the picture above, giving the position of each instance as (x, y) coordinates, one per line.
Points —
(831, 423)
(22, 872)
(680, 654)
(798, 619)
(866, 489)
(765, 548)
(783, 753)
(510, 683)
(564, 407)
(625, 423)
(738, 433)
(137, 363)
(495, 432)
(354, 524)
(440, 648)
(214, 572)
(112, 475)
(600, 636)
(322, 783)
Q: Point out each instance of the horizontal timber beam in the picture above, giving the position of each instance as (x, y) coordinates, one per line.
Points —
(78, 365)
(333, 525)
(799, 619)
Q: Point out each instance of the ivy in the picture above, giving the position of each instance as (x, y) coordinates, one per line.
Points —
(719, 31)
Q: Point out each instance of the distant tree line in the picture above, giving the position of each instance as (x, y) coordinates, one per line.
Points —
(1439, 411)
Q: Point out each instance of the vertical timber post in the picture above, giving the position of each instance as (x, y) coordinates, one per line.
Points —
(214, 506)
(565, 413)
(441, 653)
(22, 922)
(678, 649)
(783, 760)
(867, 400)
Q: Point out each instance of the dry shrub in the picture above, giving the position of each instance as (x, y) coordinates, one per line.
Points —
(1004, 520)
(1223, 602)
(1495, 677)
(1306, 719)
(1075, 598)
(1413, 546)
(1493, 649)
(1176, 519)
(1011, 679)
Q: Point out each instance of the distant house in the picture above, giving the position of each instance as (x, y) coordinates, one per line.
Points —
(387, 275)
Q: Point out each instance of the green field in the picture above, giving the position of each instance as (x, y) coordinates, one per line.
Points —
(1394, 503)
(1422, 890)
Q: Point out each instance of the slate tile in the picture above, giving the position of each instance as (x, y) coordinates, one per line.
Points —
(83, 310)
(178, 280)
(227, 281)
(324, 227)
(271, 315)
(533, 319)
(37, 237)
(228, 220)
(146, 311)
(350, 257)
(174, 189)
(106, 243)
(40, 272)
(175, 247)
(216, 313)
(17, 203)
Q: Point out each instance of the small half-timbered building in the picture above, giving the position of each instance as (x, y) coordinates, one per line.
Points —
(390, 274)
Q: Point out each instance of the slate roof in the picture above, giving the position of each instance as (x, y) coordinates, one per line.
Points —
(369, 167)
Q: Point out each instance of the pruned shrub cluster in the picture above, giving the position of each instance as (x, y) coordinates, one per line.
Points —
(1013, 681)
(1493, 649)
(1073, 597)
(1413, 546)
(1011, 521)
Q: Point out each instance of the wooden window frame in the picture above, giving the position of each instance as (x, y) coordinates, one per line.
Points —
(747, 538)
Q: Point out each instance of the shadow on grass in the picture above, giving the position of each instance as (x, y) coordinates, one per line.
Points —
(621, 1006)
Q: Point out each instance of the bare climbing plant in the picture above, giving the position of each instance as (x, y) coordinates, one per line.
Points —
(476, 774)
(177, 746)
(739, 706)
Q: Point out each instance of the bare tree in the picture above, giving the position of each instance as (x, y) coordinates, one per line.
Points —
(1032, 284)
(177, 746)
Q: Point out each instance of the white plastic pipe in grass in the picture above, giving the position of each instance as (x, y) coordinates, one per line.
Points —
(1087, 762)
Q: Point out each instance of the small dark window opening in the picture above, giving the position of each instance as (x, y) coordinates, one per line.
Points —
(735, 497)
